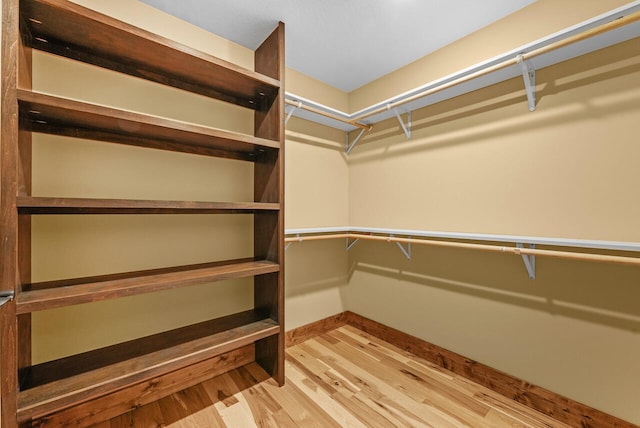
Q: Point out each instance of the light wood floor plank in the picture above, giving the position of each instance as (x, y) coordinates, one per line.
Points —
(322, 397)
(344, 378)
(300, 407)
(344, 390)
(265, 410)
(456, 388)
(380, 386)
(439, 391)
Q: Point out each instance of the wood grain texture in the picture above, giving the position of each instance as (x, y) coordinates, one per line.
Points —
(43, 395)
(25, 179)
(9, 170)
(311, 330)
(54, 370)
(267, 299)
(150, 391)
(542, 400)
(48, 205)
(60, 116)
(343, 378)
(67, 29)
(54, 294)
(269, 188)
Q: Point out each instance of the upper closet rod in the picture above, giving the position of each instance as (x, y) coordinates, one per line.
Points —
(300, 104)
(620, 22)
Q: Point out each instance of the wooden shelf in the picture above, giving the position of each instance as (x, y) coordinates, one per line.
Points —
(60, 116)
(55, 294)
(46, 205)
(55, 385)
(64, 28)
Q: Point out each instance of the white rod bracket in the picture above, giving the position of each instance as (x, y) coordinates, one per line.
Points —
(529, 261)
(405, 128)
(290, 243)
(351, 244)
(293, 108)
(350, 146)
(407, 251)
(529, 76)
(6, 297)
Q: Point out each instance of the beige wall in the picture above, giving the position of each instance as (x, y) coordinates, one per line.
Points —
(572, 330)
(315, 90)
(483, 163)
(316, 191)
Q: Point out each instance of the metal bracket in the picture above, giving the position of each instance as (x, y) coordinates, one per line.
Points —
(286, 247)
(529, 76)
(5, 297)
(407, 251)
(406, 128)
(293, 108)
(529, 261)
(349, 147)
(349, 245)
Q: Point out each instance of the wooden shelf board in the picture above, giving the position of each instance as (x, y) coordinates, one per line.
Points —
(54, 294)
(91, 413)
(64, 28)
(48, 205)
(60, 116)
(55, 385)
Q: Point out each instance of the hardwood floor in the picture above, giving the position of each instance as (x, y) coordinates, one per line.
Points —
(344, 378)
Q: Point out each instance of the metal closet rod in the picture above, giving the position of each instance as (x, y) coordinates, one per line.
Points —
(303, 106)
(355, 120)
(620, 22)
(602, 258)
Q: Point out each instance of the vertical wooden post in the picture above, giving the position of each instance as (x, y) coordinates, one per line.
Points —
(25, 81)
(9, 161)
(269, 187)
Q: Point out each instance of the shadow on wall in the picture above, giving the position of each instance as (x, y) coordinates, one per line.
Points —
(306, 132)
(315, 266)
(595, 292)
(501, 109)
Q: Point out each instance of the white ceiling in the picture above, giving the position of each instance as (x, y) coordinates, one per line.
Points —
(345, 43)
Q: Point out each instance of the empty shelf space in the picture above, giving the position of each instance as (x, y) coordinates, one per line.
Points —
(54, 294)
(51, 386)
(47, 205)
(60, 116)
(64, 28)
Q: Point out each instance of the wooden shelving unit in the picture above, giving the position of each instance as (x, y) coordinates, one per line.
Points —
(99, 384)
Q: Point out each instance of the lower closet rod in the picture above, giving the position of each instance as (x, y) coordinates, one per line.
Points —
(603, 258)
